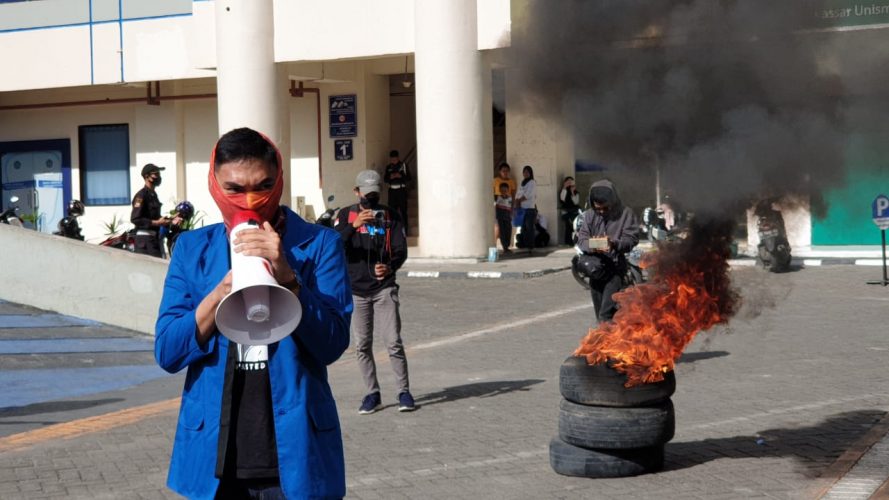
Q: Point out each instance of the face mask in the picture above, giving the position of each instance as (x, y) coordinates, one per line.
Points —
(155, 181)
(265, 203)
(371, 200)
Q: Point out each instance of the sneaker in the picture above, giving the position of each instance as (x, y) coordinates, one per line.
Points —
(406, 402)
(371, 403)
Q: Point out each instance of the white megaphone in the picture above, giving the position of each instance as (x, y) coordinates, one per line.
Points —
(258, 311)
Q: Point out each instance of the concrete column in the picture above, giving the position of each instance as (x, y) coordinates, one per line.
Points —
(454, 174)
(251, 91)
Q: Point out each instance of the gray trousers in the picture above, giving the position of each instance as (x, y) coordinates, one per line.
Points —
(379, 312)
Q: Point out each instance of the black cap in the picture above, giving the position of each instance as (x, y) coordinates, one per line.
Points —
(149, 168)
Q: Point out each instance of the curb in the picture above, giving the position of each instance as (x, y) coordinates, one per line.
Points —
(735, 263)
(831, 482)
(486, 274)
(814, 262)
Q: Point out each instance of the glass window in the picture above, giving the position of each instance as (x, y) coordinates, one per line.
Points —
(105, 164)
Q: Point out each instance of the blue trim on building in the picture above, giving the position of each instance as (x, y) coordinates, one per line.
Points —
(120, 36)
(92, 61)
(75, 25)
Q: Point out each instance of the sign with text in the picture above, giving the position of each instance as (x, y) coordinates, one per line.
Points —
(343, 119)
(342, 149)
(844, 13)
(880, 211)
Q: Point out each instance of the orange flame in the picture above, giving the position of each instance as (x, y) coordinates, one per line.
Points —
(689, 291)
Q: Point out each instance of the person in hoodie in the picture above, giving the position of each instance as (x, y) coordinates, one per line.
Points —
(376, 247)
(609, 231)
(255, 421)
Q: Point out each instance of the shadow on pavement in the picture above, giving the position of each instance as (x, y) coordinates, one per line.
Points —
(814, 448)
(476, 390)
(691, 357)
(52, 407)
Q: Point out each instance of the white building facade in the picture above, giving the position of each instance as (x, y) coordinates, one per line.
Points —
(92, 90)
(95, 89)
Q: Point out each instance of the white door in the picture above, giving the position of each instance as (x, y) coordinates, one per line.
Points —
(19, 173)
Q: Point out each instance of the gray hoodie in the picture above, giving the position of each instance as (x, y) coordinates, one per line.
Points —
(619, 225)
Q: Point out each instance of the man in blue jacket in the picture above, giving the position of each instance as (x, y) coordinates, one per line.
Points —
(255, 421)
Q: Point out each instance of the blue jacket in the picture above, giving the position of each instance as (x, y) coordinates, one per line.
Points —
(307, 430)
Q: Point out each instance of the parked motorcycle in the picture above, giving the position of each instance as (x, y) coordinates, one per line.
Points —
(773, 251)
(69, 227)
(11, 215)
(117, 237)
(124, 241)
(329, 216)
(663, 223)
(185, 211)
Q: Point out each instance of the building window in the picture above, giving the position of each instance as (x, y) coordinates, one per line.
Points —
(105, 164)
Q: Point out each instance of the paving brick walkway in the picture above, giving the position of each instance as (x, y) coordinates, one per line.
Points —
(765, 408)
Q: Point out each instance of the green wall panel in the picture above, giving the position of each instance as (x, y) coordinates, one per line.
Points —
(848, 220)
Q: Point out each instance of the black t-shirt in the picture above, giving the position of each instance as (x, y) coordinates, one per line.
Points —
(252, 449)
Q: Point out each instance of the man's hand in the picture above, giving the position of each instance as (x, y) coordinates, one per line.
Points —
(364, 216)
(163, 221)
(205, 315)
(382, 270)
(264, 242)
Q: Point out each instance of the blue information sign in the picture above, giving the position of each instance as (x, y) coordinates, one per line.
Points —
(343, 120)
(880, 211)
(342, 149)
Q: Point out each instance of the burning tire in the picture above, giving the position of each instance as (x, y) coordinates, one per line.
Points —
(606, 429)
(611, 428)
(570, 460)
(602, 386)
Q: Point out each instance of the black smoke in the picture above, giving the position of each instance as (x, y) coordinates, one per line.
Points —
(733, 100)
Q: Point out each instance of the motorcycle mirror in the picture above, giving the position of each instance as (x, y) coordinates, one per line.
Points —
(14, 199)
(330, 198)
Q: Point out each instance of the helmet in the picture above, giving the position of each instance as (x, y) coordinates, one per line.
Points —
(75, 207)
(185, 210)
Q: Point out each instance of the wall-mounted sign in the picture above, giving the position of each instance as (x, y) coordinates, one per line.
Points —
(342, 149)
(841, 13)
(343, 120)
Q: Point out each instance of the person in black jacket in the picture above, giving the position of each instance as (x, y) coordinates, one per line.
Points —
(146, 214)
(376, 247)
(398, 177)
(609, 231)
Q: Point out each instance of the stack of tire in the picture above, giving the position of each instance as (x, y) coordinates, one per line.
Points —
(606, 429)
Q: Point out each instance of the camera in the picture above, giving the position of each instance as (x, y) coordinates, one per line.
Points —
(379, 215)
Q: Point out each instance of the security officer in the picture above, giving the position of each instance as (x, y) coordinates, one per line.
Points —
(146, 215)
(398, 177)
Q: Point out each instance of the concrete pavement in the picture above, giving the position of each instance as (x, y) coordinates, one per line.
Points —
(788, 401)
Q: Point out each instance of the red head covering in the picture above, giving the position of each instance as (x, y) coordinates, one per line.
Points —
(264, 203)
